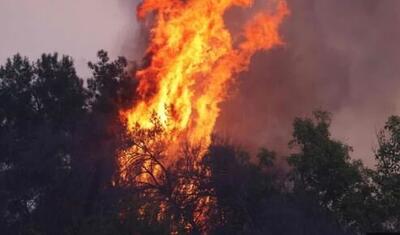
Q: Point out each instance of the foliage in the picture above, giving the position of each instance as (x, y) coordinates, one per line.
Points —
(387, 176)
(40, 108)
(62, 143)
(360, 199)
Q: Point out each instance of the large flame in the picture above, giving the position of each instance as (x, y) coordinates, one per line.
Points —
(193, 60)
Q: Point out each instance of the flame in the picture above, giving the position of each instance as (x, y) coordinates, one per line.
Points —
(193, 60)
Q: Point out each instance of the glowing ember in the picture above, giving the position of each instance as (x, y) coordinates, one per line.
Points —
(192, 61)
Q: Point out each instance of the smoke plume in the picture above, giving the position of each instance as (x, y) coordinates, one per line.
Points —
(340, 56)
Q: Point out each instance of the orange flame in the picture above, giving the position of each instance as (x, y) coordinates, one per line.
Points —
(193, 58)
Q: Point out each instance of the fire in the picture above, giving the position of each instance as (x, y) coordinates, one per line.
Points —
(193, 60)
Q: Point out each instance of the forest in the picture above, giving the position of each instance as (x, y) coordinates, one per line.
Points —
(60, 169)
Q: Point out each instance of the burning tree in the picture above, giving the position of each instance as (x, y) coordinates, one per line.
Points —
(192, 61)
(177, 193)
(193, 58)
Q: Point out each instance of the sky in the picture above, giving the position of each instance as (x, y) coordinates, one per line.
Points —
(78, 28)
(340, 55)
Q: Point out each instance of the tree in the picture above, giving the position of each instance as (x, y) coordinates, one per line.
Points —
(387, 175)
(173, 191)
(111, 88)
(40, 106)
(322, 169)
(69, 165)
(58, 141)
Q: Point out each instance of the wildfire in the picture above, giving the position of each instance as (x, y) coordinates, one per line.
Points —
(193, 59)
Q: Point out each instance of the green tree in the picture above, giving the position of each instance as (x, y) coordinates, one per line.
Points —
(40, 106)
(322, 169)
(111, 88)
(241, 188)
(387, 175)
(58, 142)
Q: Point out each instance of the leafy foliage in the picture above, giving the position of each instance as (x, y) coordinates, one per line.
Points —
(61, 142)
(387, 176)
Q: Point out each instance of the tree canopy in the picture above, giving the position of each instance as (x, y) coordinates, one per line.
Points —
(60, 139)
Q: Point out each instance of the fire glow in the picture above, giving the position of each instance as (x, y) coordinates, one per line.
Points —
(194, 58)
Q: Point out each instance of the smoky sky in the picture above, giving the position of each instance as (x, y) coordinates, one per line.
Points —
(339, 55)
(78, 28)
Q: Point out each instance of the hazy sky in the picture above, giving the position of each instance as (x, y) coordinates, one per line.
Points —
(78, 28)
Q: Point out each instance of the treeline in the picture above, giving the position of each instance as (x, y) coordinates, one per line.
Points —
(61, 139)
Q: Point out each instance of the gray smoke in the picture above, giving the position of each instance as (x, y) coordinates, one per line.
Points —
(341, 56)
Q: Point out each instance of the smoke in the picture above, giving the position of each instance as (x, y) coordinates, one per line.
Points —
(340, 56)
(136, 36)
